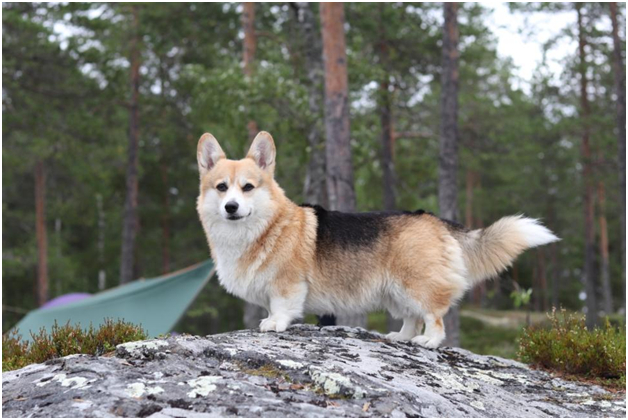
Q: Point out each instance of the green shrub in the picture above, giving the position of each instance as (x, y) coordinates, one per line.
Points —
(568, 347)
(65, 340)
(14, 351)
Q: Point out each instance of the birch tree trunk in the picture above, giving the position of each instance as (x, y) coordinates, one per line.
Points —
(129, 227)
(448, 156)
(339, 170)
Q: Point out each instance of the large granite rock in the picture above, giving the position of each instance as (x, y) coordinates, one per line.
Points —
(305, 371)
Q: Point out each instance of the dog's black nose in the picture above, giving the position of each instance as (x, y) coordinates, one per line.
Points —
(231, 207)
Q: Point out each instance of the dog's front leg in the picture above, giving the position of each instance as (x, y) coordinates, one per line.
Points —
(284, 308)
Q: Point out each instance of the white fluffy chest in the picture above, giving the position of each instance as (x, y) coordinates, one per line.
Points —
(248, 283)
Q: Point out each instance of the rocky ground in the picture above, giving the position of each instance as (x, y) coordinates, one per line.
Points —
(304, 372)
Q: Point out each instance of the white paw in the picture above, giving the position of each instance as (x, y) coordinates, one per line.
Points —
(426, 341)
(397, 336)
(268, 324)
(273, 324)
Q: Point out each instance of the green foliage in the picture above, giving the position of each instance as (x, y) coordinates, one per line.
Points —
(65, 97)
(568, 347)
(14, 351)
(377, 321)
(65, 340)
(521, 297)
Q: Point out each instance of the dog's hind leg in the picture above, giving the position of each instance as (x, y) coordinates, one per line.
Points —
(434, 332)
(411, 328)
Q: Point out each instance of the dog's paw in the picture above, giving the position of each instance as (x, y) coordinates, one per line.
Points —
(397, 336)
(268, 324)
(426, 341)
(273, 324)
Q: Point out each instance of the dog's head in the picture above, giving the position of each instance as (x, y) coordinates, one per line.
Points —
(237, 191)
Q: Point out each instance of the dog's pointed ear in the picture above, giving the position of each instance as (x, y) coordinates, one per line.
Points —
(263, 151)
(208, 153)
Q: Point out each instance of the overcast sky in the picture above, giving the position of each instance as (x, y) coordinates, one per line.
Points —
(519, 36)
(522, 35)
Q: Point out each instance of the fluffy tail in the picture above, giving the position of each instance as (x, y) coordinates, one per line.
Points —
(489, 251)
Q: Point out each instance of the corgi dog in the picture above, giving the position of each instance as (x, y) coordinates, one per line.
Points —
(293, 259)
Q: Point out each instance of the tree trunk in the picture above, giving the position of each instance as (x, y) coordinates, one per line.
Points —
(536, 294)
(544, 298)
(248, 52)
(339, 170)
(102, 274)
(553, 250)
(129, 228)
(340, 187)
(252, 313)
(468, 210)
(165, 222)
(250, 38)
(555, 276)
(589, 235)
(388, 153)
(620, 90)
(384, 104)
(478, 291)
(604, 263)
(42, 241)
(58, 246)
(448, 156)
(386, 120)
(315, 188)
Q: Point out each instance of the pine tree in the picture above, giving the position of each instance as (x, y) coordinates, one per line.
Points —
(448, 157)
(339, 169)
(130, 221)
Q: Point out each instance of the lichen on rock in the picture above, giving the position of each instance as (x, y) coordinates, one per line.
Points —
(304, 372)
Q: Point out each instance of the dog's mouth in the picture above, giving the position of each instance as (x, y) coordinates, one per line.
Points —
(235, 217)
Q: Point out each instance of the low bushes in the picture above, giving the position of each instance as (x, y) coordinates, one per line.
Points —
(65, 340)
(568, 347)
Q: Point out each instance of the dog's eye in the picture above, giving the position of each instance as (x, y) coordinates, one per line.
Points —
(247, 187)
(222, 187)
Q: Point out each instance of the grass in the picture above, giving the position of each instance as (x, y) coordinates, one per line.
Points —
(568, 348)
(65, 340)
(481, 338)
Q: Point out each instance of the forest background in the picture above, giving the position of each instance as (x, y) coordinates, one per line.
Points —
(103, 105)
